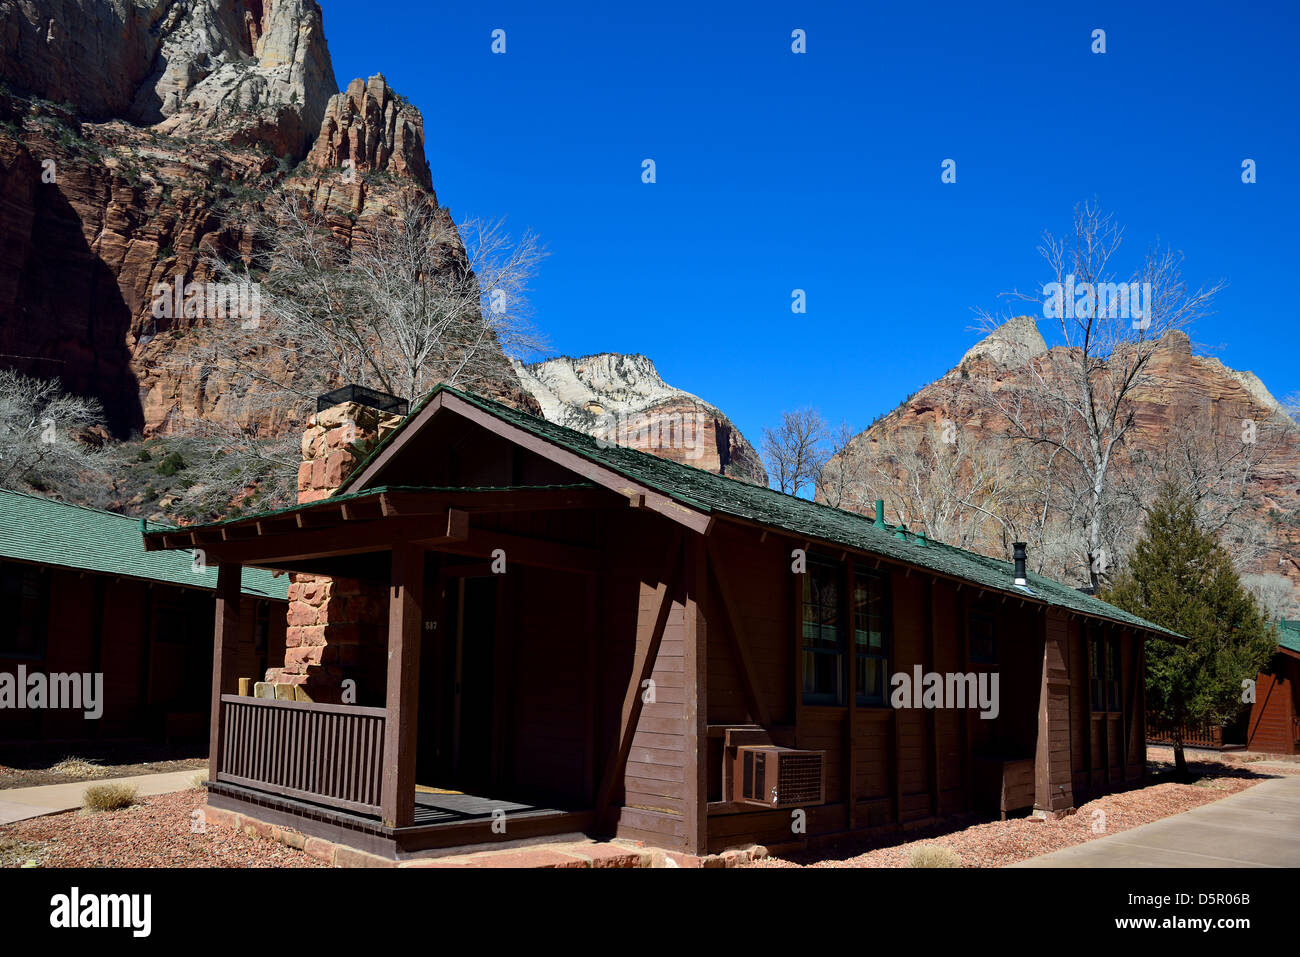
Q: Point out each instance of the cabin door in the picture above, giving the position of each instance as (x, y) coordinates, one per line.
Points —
(457, 685)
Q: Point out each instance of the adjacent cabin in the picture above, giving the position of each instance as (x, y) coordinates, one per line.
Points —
(83, 598)
(505, 630)
(1274, 724)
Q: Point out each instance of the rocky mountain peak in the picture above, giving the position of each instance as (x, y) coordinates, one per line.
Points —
(1011, 344)
(373, 129)
(611, 395)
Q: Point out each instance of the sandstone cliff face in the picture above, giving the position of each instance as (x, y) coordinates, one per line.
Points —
(185, 117)
(1181, 389)
(622, 398)
(253, 70)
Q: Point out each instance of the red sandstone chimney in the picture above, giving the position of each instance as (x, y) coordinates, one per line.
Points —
(336, 626)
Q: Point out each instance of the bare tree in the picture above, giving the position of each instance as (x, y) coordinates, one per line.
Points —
(1216, 460)
(414, 302)
(1274, 594)
(1079, 399)
(796, 450)
(50, 441)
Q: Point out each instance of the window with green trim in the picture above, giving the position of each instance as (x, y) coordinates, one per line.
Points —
(871, 627)
(823, 634)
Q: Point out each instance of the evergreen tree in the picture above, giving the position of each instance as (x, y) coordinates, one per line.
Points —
(1182, 578)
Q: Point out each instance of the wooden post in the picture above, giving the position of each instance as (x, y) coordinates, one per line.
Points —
(931, 721)
(696, 710)
(225, 641)
(405, 603)
(851, 710)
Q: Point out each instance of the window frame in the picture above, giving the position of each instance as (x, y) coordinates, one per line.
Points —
(807, 646)
(882, 580)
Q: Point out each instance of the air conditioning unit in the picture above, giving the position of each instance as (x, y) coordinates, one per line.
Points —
(779, 777)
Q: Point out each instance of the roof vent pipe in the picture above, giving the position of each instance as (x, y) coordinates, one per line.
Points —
(1020, 555)
(880, 513)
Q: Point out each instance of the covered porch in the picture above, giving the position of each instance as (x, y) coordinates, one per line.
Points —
(482, 724)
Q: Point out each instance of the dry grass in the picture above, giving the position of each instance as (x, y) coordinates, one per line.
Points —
(108, 797)
(932, 855)
(76, 767)
(199, 780)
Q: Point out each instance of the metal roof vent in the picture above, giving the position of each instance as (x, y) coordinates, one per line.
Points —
(1021, 556)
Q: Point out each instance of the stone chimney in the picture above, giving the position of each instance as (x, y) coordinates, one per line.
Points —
(337, 627)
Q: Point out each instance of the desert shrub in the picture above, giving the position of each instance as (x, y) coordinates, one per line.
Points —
(108, 797)
(932, 855)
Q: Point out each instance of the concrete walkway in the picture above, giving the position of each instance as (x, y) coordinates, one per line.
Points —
(1259, 827)
(19, 804)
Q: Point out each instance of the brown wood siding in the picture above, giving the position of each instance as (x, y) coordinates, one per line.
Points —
(1272, 725)
(650, 799)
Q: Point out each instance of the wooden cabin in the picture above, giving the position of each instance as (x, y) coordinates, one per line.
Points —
(583, 638)
(83, 597)
(1274, 724)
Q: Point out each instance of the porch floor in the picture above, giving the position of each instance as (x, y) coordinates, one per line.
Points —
(444, 808)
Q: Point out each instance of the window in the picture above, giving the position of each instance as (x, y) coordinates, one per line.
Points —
(1096, 684)
(823, 634)
(25, 592)
(983, 640)
(1104, 672)
(1112, 673)
(871, 628)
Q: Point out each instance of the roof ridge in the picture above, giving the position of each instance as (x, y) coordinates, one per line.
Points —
(58, 501)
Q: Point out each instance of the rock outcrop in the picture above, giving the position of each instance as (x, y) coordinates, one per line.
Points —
(182, 119)
(245, 71)
(1179, 389)
(623, 399)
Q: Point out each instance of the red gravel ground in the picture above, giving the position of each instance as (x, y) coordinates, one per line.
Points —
(157, 831)
(999, 843)
(154, 833)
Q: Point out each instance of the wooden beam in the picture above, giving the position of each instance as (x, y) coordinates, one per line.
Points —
(405, 617)
(225, 644)
(731, 621)
(298, 544)
(650, 633)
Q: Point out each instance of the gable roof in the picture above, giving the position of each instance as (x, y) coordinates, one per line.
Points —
(715, 495)
(1288, 635)
(43, 531)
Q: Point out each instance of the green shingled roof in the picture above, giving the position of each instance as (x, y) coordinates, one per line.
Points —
(1288, 635)
(46, 532)
(717, 495)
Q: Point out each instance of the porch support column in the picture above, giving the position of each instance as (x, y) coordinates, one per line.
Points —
(405, 604)
(225, 642)
(1053, 781)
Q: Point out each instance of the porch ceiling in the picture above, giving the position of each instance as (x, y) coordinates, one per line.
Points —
(352, 533)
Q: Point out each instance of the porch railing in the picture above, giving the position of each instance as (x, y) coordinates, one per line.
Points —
(325, 753)
(1198, 735)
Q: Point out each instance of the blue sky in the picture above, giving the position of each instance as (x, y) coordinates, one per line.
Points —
(821, 171)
